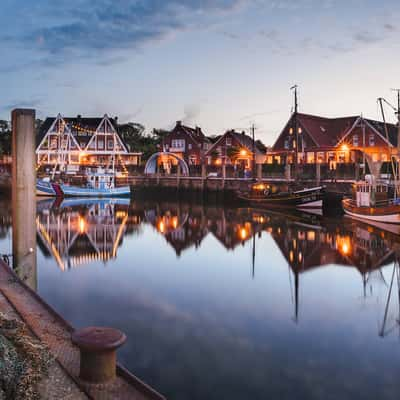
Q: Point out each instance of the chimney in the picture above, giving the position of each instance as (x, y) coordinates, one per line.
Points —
(178, 123)
(198, 130)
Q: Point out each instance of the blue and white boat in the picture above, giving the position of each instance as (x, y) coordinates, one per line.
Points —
(45, 187)
(100, 183)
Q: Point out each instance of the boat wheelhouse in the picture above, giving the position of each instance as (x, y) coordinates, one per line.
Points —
(100, 183)
(373, 201)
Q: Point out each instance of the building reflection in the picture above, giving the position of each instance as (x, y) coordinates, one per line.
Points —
(78, 232)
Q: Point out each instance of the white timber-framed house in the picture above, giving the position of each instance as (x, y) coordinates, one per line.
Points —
(87, 142)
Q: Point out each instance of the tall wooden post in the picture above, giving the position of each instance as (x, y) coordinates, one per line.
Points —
(318, 173)
(24, 195)
(259, 172)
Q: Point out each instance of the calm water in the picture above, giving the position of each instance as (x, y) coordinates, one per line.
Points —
(222, 303)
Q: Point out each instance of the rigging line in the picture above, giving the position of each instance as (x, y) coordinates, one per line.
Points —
(387, 138)
(382, 332)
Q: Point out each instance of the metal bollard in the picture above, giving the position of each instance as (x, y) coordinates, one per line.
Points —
(98, 346)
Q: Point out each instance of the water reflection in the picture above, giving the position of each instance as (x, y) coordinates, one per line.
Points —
(208, 296)
(76, 232)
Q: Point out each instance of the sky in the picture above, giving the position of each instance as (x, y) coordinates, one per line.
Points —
(222, 64)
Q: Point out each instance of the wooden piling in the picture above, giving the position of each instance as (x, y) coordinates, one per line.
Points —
(24, 195)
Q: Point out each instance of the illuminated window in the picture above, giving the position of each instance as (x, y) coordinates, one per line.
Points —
(320, 157)
(310, 157)
(291, 131)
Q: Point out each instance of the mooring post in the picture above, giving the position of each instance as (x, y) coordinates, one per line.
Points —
(318, 173)
(203, 174)
(98, 346)
(259, 172)
(24, 195)
(287, 172)
(223, 175)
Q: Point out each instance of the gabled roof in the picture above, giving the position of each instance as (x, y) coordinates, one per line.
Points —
(242, 138)
(328, 132)
(86, 123)
(195, 133)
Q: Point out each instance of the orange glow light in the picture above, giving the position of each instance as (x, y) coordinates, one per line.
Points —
(243, 152)
(82, 225)
(161, 227)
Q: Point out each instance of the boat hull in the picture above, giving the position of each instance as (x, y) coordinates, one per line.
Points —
(308, 198)
(47, 188)
(388, 214)
(76, 191)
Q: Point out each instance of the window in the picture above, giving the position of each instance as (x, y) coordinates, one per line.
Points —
(371, 139)
(100, 143)
(291, 131)
(355, 140)
(205, 146)
(190, 146)
(384, 157)
(192, 160)
(178, 143)
(320, 157)
(229, 141)
(286, 144)
(310, 157)
(110, 144)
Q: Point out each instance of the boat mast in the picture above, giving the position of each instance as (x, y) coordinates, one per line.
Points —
(296, 141)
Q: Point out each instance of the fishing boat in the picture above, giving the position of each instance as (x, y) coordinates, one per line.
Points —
(46, 187)
(374, 202)
(266, 195)
(100, 183)
(372, 199)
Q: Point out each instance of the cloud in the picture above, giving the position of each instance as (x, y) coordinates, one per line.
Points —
(366, 37)
(82, 28)
(34, 103)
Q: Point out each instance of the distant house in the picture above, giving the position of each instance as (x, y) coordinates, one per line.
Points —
(322, 140)
(187, 143)
(82, 141)
(234, 148)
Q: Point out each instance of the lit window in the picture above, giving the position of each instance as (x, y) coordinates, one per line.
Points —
(291, 131)
(310, 157)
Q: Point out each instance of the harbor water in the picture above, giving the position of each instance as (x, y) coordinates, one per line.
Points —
(220, 302)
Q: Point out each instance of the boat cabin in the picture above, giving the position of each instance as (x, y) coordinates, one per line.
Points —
(367, 194)
(101, 179)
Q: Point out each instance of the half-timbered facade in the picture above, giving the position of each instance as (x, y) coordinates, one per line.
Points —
(187, 143)
(234, 148)
(82, 141)
(315, 139)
